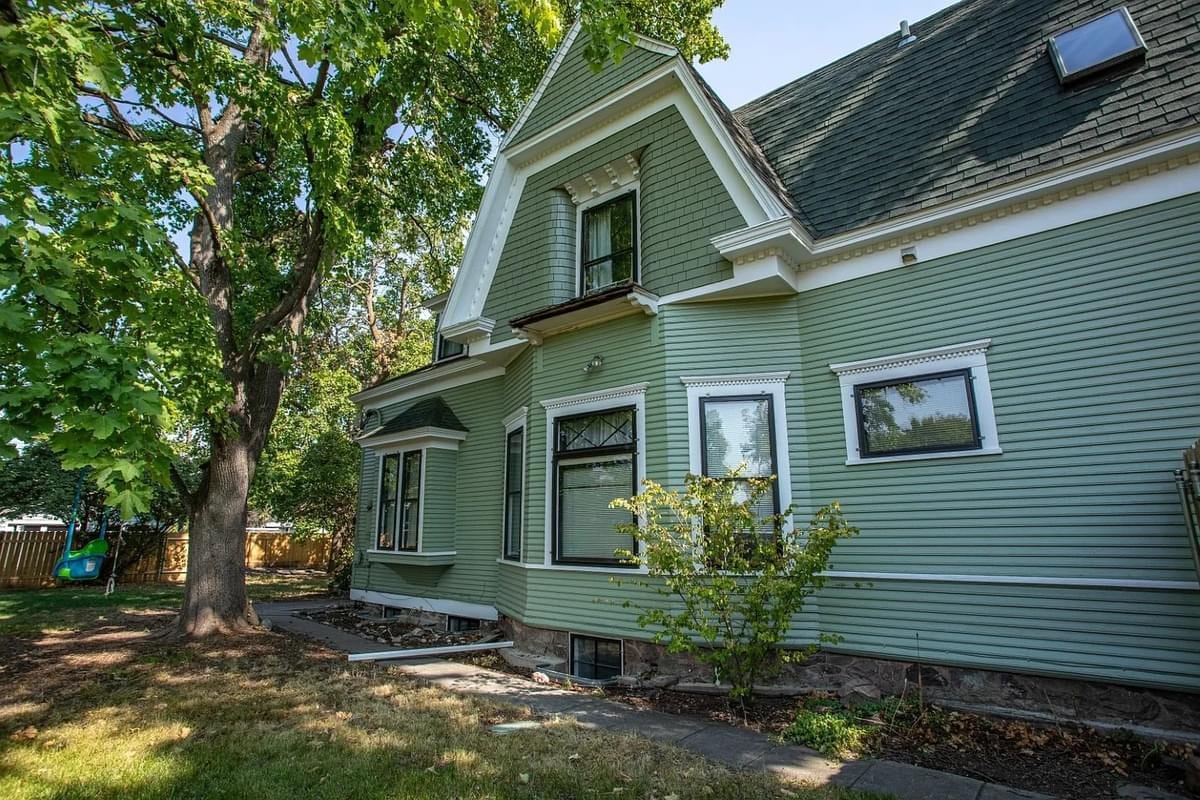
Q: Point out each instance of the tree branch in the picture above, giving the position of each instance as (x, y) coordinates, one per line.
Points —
(186, 495)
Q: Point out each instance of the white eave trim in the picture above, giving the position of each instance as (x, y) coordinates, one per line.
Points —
(425, 436)
(429, 381)
(469, 330)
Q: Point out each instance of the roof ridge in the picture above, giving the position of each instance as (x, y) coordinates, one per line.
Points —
(839, 63)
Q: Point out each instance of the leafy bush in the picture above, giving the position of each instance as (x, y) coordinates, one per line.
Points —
(733, 579)
(835, 732)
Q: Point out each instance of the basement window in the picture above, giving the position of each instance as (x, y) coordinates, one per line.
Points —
(595, 659)
(1096, 45)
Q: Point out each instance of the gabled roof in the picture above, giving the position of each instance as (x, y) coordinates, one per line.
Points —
(973, 104)
(432, 412)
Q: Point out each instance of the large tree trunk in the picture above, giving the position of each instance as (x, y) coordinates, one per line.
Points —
(214, 598)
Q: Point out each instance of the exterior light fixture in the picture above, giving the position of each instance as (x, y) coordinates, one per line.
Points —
(594, 364)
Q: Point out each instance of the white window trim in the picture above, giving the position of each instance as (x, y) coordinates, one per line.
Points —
(766, 383)
(399, 485)
(968, 355)
(517, 419)
(601, 199)
(632, 394)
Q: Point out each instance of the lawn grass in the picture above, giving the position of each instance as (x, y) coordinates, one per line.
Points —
(71, 607)
(112, 711)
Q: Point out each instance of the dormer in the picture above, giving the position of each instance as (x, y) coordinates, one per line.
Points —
(443, 349)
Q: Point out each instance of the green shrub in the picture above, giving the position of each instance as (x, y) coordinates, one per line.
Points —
(733, 579)
(828, 728)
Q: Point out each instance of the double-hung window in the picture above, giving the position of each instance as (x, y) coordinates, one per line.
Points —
(609, 244)
(399, 502)
(514, 490)
(737, 436)
(594, 462)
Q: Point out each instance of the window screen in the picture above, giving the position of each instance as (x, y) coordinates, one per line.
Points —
(389, 485)
(595, 659)
(595, 463)
(1095, 45)
(609, 237)
(410, 505)
(514, 481)
(740, 432)
(924, 414)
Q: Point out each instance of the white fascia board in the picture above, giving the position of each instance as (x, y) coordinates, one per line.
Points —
(786, 236)
(428, 436)
(432, 381)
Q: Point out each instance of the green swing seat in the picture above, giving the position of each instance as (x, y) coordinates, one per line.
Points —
(82, 564)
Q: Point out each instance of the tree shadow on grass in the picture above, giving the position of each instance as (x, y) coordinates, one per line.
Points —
(269, 716)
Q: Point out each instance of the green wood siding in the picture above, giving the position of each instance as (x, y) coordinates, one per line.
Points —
(1094, 382)
(682, 205)
(474, 502)
(440, 493)
(576, 86)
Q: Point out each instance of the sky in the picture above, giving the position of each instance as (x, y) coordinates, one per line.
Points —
(775, 41)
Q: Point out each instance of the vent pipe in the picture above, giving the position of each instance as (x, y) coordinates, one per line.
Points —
(906, 36)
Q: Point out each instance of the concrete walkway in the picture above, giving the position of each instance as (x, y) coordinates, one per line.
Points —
(735, 747)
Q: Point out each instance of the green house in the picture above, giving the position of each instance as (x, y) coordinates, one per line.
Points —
(951, 280)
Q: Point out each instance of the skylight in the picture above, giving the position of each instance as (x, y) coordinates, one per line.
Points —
(1097, 44)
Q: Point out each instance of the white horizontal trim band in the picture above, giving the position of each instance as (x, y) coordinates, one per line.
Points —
(631, 390)
(1103, 583)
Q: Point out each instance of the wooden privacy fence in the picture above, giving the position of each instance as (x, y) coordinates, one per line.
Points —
(27, 557)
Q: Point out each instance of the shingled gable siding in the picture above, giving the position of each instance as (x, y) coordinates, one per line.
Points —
(683, 205)
(575, 86)
(475, 499)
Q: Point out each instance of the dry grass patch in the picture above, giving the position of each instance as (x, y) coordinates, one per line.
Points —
(271, 716)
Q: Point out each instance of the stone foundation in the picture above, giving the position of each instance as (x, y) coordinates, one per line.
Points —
(861, 678)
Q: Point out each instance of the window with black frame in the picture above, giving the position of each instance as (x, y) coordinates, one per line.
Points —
(514, 484)
(595, 659)
(609, 254)
(595, 462)
(444, 348)
(738, 434)
(410, 502)
(389, 486)
(923, 414)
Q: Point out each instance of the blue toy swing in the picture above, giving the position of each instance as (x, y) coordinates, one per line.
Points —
(82, 564)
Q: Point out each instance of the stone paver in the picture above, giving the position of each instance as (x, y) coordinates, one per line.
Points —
(916, 783)
(735, 747)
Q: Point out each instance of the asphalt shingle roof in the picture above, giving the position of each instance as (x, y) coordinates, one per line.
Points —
(432, 412)
(973, 104)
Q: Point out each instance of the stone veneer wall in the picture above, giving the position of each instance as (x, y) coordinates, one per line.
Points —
(859, 678)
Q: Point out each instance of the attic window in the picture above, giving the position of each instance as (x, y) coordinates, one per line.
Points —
(1097, 44)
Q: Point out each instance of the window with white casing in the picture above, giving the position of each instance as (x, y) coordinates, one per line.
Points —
(399, 519)
(594, 456)
(741, 421)
(514, 485)
(933, 403)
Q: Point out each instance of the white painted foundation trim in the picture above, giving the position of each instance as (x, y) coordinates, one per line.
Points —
(970, 356)
(423, 652)
(454, 608)
(575, 568)
(1099, 583)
